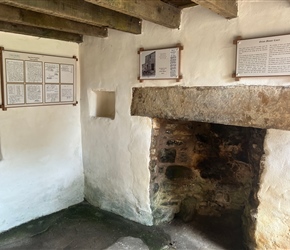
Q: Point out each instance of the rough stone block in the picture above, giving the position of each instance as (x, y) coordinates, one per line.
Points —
(248, 106)
(177, 172)
(167, 155)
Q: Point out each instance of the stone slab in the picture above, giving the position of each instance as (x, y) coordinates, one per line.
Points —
(128, 243)
(247, 106)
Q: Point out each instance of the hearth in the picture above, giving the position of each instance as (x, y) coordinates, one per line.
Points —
(206, 149)
(205, 170)
(228, 178)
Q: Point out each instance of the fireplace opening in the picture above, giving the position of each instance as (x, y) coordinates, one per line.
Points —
(208, 175)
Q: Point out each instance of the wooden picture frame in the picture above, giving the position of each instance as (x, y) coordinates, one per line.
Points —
(29, 79)
(160, 64)
(262, 57)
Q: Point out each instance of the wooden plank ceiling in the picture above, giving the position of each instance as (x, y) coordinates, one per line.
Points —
(69, 20)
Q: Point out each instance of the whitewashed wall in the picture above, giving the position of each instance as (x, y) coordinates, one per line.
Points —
(116, 152)
(274, 211)
(40, 149)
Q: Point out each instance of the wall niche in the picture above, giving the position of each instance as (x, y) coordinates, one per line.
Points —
(102, 104)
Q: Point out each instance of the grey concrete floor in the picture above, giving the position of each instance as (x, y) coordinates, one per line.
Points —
(86, 227)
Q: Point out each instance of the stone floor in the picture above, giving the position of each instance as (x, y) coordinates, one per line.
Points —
(86, 227)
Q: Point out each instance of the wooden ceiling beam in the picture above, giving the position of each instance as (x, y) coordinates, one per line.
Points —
(181, 4)
(188, 5)
(38, 32)
(81, 11)
(225, 8)
(154, 11)
(25, 17)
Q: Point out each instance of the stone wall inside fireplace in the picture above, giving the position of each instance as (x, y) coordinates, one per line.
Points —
(205, 169)
(255, 106)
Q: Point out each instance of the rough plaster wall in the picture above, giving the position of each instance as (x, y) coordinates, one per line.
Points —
(274, 211)
(116, 151)
(40, 149)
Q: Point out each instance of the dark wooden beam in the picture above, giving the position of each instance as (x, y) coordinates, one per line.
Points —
(225, 8)
(154, 11)
(34, 31)
(81, 11)
(180, 3)
(188, 5)
(25, 17)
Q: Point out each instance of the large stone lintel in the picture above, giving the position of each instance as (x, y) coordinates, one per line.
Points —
(247, 106)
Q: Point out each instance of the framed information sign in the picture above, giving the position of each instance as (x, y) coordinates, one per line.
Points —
(267, 56)
(36, 80)
(160, 64)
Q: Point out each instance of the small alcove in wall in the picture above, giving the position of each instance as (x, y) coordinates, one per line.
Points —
(102, 104)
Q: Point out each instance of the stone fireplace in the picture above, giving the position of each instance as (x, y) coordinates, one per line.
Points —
(205, 169)
(206, 149)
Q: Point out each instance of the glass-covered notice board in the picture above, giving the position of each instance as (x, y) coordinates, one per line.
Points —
(37, 80)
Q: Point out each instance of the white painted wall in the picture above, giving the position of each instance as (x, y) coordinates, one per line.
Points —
(274, 211)
(116, 152)
(40, 149)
